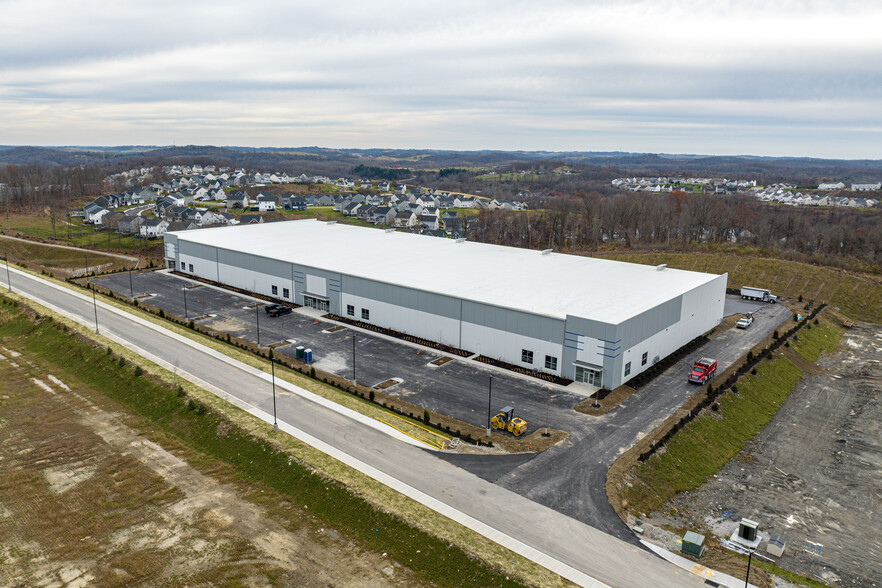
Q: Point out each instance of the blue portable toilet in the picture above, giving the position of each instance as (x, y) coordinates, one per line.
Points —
(307, 356)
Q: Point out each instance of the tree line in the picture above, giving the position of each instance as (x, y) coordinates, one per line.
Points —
(682, 221)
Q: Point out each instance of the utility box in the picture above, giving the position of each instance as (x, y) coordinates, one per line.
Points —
(747, 530)
(299, 352)
(693, 544)
(776, 545)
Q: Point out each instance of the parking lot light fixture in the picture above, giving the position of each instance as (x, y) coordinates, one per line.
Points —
(131, 285)
(8, 281)
(257, 314)
(275, 422)
(95, 305)
(186, 314)
(489, 403)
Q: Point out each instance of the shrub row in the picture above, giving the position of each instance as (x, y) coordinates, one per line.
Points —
(730, 383)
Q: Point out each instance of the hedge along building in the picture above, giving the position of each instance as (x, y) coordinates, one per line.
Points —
(595, 321)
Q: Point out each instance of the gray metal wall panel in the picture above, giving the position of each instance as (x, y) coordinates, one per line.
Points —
(597, 330)
(263, 265)
(206, 252)
(430, 302)
(647, 324)
(513, 321)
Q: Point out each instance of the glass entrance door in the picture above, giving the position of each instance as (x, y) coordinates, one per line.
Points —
(589, 376)
(317, 303)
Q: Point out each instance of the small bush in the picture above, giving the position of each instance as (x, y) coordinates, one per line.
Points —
(775, 335)
(800, 298)
(769, 356)
(161, 313)
(753, 372)
(715, 407)
(200, 408)
(816, 321)
(750, 356)
(109, 351)
(139, 371)
(371, 395)
(311, 372)
(426, 416)
(180, 391)
(786, 343)
(121, 361)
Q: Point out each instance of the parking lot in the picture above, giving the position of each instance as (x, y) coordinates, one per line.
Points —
(458, 388)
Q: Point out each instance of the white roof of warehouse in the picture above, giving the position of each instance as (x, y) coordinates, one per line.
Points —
(554, 284)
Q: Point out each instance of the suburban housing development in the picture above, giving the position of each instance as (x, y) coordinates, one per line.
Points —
(594, 321)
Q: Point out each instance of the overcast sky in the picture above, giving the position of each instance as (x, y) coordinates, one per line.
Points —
(770, 77)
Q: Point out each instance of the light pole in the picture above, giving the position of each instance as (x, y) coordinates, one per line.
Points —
(257, 314)
(353, 361)
(85, 263)
(186, 315)
(8, 281)
(131, 285)
(275, 422)
(95, 305)
(489, 403)
(547, 404)
(747, 577)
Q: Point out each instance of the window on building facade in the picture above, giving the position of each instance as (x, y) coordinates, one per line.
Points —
(275, 290)
(550, 363)
(286, 293)
(191, 268)
(350, 310)
(365, 314)
(526, 356)
(628, 369)
(644, 358)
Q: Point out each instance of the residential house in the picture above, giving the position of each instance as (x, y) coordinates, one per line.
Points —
(237, 199)
(429, 221)
(383, 215)
(153, 227)
(266, 202)
(130, 225)
(250, 219)
(181, 226)
(92, 213)
(405, 219)
(111, 220)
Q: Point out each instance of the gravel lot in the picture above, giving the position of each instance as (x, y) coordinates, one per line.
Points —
(815, 471)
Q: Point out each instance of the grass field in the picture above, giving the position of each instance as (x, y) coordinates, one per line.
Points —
(254, 460)
(58, 258)
(858, 295)
(80, 235)
(704, 445)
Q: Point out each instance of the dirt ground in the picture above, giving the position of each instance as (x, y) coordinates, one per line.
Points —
(86, 498)
(813, 473)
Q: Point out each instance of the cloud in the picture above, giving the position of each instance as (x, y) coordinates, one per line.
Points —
(789, 77)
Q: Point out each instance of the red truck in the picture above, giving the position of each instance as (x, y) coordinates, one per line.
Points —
(703, 370)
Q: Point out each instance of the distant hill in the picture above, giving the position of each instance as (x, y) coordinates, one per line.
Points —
(327, 160)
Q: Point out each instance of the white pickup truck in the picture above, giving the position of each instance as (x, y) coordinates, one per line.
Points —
(744, 321)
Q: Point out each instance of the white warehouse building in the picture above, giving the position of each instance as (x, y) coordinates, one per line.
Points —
(591, 320)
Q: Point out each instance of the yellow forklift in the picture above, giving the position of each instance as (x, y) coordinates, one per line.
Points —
(505, 420)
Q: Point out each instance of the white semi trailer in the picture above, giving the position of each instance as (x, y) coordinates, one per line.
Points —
(762, 294)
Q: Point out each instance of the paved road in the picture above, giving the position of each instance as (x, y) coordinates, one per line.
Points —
(571, 477)
(555, 540)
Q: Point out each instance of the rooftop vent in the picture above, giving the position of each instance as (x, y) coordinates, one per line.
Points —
(331, 223)
(460, 240)
(661, 267)
(390, 230)
(547, 251)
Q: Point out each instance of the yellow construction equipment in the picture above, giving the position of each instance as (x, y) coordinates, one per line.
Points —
(505, 420)
(516, 426)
